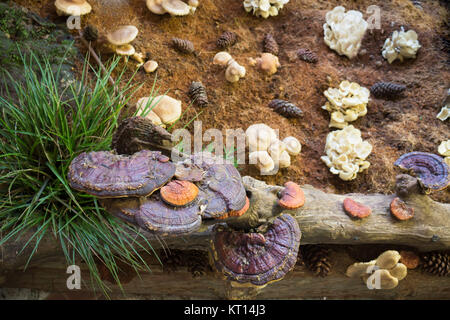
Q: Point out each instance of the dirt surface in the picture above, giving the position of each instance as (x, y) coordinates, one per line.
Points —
(392, 127)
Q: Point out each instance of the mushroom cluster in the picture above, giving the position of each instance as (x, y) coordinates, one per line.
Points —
(344, 31)
(165, 111)
(148, 190)
(382, 273)
(234, 70)
(172, 7)
(120, 42)
(401, 45)
(346, 103)
(266, 151)
(444, 150)
(72, 7)
(346, 153)
(264, 8)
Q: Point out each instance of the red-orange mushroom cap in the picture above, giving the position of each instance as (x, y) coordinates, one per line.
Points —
(356, 209)
(179, 192)
(237, 213)
(292, 196)
(400, 210)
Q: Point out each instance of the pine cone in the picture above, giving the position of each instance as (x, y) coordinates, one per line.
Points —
(90, 33)
(182, 45)
(317, 259)
(387, 90)
(307, 55)
(437, 263)
(270, 45)
(197, 92)
(227, 39)
(285, 108)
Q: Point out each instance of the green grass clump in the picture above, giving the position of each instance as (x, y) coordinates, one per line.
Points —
(42, 128)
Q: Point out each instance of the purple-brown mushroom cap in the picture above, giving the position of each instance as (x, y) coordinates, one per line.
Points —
(430, 169)
(154, 215)
(108, 175)
(221, 188)
(254, 258)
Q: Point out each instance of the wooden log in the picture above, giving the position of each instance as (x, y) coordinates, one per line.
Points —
(300, 283)
(322, 220)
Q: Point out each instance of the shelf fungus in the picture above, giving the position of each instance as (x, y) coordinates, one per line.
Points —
(179, 193)
(220, 189)
(72, 7)
(430, 169)
(401, 45)
(344, 31)
(346, 153)
(292, 196)
(256, 259)
(107, 175)
(264, 8)
(400, 210)
(385, 272)
(346, 103)
(355, 209)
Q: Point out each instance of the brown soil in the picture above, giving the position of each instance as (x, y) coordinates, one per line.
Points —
(392, 127)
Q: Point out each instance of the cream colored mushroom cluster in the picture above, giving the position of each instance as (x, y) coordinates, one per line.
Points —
(344, 31)
(444, 150)
(401, 45)
(346, 103)
(382, 273)
(161, 110)
(234, 70)
(346, 153)
(264, 8)
(172, 7)
(266, 151)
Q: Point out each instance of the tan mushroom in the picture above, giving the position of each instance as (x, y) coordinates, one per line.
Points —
(259, 137)
(155, 6)
(150, 66)
(234, 71)
(293, 146)
(399, 271)
(72, 7)
(120, 39)
(144, 107)
(360, 269)
(262, 160)
(167, 108)
(284, 160)
(383, 279)
(388, 259)
(268, 63)
(176, 7)
(222, 58)
(125, 50)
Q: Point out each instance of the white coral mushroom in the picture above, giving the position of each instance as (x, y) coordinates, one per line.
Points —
(344, 31)
(401, 45)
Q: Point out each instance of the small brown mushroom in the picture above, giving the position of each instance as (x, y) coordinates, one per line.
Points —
(388, 259)
(356, 209)
(292, 196)
(409, 259)
(268, 63)
(179, 192)
(400, 210)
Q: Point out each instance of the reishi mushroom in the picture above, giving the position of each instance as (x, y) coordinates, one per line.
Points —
(292, 196)
(237, 213)
(400, 210)
(72, 7)
(356, 209)
(430, 169)
(106, 175)
(179, 192)
(255, 259)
